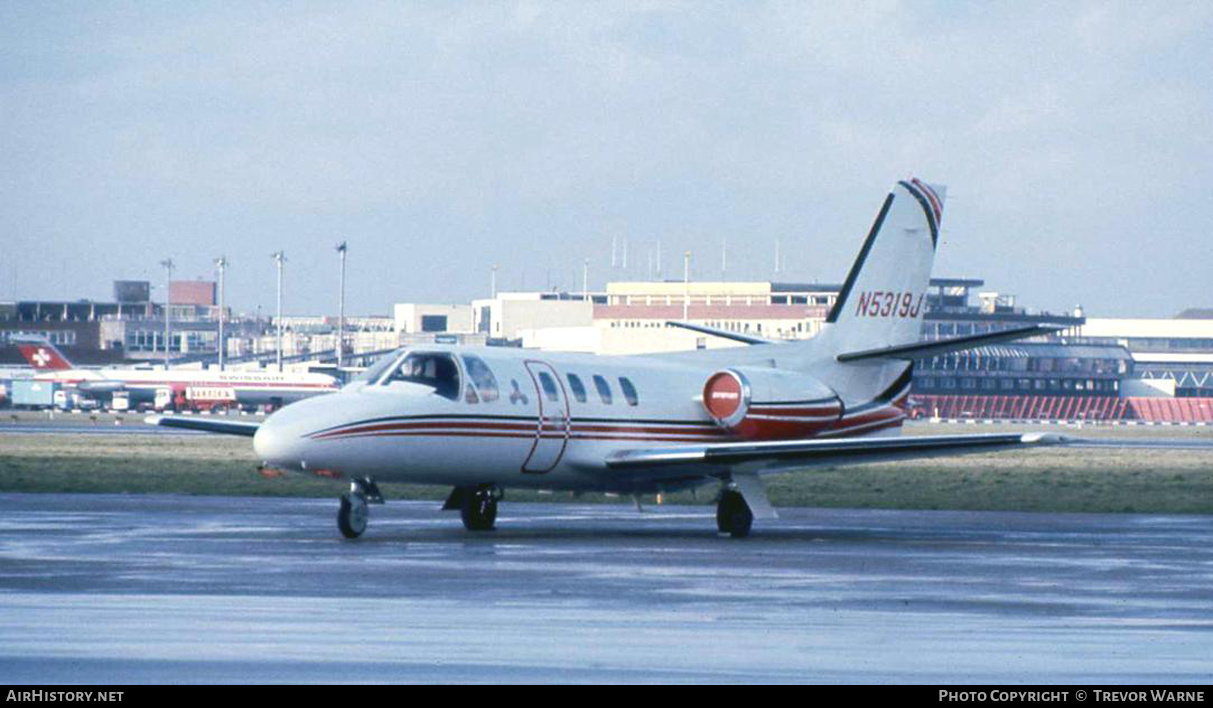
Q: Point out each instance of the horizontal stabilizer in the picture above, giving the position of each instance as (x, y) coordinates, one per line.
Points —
(722, 333)
(206, 425)
(920, 350)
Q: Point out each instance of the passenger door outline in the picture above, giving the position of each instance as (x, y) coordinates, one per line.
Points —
(552, 424)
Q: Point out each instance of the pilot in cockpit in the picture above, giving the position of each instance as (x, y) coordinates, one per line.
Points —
(435, 370)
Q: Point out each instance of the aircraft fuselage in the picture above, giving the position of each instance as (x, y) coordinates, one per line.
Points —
(544, 420)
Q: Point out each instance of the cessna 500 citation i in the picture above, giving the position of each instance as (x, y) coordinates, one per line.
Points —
(482, 419)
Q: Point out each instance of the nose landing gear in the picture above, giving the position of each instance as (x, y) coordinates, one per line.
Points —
(479, 510)
(477, 505)
(354, 512)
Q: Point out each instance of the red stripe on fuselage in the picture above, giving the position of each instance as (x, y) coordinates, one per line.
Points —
(526, 428)
(884, 416)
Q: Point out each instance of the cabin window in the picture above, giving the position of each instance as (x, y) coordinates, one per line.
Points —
(604, 389)
(629, 391)
(577, 387)
(548, 386)
(438, 371)
(482, 378)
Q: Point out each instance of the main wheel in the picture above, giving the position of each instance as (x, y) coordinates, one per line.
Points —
(352, 515)
(479, 509)
(733, 515)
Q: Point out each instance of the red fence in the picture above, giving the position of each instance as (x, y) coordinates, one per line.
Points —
(1095, 408)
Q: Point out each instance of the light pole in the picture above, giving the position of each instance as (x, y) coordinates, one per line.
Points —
(168, 301)
(686, 285)
(493, 283)
(341, 248)
(585, 281)
(279, 258)
(221, 264)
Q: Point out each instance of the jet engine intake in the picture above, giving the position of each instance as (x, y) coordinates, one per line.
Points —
(770, 404)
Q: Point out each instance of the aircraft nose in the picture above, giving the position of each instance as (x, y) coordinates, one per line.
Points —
(277, 443)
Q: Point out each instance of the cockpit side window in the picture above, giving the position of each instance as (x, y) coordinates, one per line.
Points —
(481, 377)
(436, 370)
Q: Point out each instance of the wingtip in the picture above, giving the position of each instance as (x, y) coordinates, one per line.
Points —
(1046, 439)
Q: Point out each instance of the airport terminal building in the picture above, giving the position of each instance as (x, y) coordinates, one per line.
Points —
(1094, 369)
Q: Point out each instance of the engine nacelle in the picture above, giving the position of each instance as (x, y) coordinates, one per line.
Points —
(770, 404)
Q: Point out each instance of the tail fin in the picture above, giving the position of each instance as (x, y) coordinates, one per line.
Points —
(41, 354)
(883, 300)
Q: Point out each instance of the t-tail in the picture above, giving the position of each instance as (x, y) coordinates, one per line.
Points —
(41, 354)
(883, 300)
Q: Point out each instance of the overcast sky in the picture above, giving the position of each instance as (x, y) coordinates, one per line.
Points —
(440, 138)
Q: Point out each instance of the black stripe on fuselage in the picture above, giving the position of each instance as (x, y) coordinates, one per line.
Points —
(532, 419)
(886, 397)
(810, 401)
(393, 418)
(858, 266)
(898, 385)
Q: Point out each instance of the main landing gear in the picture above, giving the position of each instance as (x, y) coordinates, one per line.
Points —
(354, 511)
(477, 505)
(733, 515)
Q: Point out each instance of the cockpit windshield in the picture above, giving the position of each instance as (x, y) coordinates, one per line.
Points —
(436, 370)
(377, 369)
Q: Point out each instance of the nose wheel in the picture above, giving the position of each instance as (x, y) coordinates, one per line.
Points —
(479, 507)
(354, 511)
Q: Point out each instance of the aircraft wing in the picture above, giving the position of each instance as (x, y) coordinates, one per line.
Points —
(757, 457)
(206, 425)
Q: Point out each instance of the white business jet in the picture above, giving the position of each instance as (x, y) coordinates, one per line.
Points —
(481, 419)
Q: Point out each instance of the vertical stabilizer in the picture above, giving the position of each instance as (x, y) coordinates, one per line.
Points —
(42, 355)
(883, 300)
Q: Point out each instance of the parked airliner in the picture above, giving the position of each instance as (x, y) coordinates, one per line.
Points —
(482, 419)
(179, 387)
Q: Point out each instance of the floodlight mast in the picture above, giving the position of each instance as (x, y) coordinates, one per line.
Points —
(221, 264)
(279, 258)
(168, 301)
(341, 249)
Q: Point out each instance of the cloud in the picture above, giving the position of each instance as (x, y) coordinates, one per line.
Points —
(442, 138)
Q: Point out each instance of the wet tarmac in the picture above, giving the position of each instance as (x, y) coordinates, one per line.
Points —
(120, 589)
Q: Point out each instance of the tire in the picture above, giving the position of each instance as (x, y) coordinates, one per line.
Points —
(352, 515)
(479, 510)
(733, 515)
